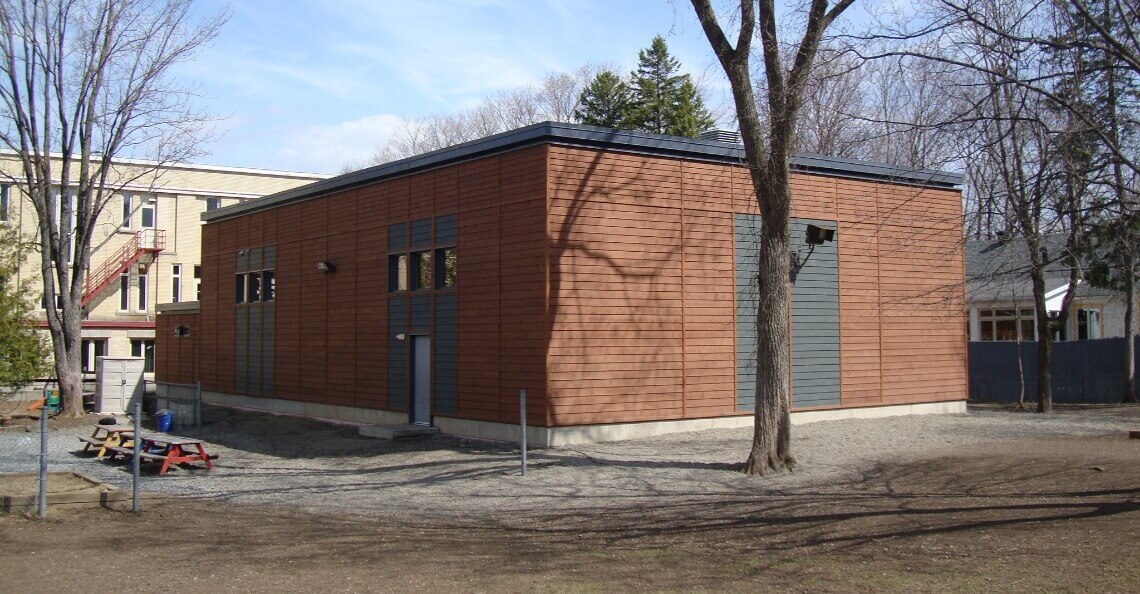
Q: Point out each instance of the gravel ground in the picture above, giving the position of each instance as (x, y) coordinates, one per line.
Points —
(329, 468)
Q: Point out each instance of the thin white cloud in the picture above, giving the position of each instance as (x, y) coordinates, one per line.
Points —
(329, 149)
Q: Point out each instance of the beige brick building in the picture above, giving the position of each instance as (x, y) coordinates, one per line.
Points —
(147, 244)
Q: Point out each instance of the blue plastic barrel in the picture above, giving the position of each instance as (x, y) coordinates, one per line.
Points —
(163, 419)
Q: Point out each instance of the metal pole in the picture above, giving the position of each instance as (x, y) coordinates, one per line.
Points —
(43, 459)
(522, 428)
(135, 506)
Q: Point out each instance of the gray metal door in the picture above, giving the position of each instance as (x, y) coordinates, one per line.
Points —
(421, 383)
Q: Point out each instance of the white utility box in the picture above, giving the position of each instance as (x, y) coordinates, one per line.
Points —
(118, 384)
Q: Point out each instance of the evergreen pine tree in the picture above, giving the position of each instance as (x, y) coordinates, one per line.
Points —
(654, 84)
(688, 116)
(604, 102)
(664, 101)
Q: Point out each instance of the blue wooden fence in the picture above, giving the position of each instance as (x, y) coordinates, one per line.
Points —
(1084, 372)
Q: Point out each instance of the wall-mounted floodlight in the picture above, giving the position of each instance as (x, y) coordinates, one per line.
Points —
(326, 266)
(401, 337)
(817, 235)
(181, 331)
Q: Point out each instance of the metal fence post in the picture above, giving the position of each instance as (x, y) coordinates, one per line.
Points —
(135, 505)
(42, 503)
(522, 428)
(198, 405)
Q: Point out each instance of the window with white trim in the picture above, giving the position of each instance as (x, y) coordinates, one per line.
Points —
(91, 349)
(142, 292)
(128, 209)
(175, 283)
(149, 213)
(124, 291)
(1009, 324)
(144, 347)
(1089, 325)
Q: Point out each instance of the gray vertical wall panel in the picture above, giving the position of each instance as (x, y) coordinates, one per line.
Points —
(397, 237)
(397, 353)
(445, 364)
(421, 311)
(253, 377)
(242, 262)
(445, 230)
(746, 251)
(254, 259)
(268, 348)
(269, 258)
(421, 233)
(815, 318)
(241, 346)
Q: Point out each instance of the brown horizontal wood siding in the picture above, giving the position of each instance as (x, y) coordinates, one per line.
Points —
(331, 328)
(641, 298)
(176, 357)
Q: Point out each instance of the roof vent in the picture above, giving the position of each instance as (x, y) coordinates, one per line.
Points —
(729, 136)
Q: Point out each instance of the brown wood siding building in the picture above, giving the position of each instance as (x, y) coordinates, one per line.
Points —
(595, 270)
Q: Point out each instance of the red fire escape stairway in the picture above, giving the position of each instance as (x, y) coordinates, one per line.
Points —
(147, 241)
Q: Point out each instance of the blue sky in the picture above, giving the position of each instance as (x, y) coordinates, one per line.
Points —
(312, 86)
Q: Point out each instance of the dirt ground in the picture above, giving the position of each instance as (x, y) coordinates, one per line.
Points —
(1041, 514)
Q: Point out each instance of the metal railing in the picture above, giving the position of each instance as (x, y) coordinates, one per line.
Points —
(147, 241)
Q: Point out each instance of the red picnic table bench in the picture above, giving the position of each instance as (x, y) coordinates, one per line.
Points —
(166, 449)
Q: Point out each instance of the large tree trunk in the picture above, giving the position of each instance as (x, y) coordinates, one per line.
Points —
(1130, 325)
(771, 443)
(1044, 337)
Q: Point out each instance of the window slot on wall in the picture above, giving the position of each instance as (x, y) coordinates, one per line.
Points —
(239, 288)
(92, 349)
(1006, 324)
(397, 272)
(197, 282)
(142, 292)
(124, 291)
(176, 283)
(421, 271)
(253, 287)
(144, 348)
(127, 210)
(1088, 324)
(268, 285)
(148, 213)
(445, 268)
(213, 204)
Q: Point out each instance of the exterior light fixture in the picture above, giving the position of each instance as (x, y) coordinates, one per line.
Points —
(401, 337)
(326, 266)
(817, 235)
(181, 331)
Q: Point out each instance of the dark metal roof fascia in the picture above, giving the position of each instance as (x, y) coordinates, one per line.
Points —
(591, 137)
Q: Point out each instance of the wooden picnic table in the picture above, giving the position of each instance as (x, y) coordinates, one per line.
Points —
(167, 450)
(105, 437)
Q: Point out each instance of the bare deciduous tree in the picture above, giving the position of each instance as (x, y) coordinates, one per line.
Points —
(81, 83)
(768, 147)
(555, 99)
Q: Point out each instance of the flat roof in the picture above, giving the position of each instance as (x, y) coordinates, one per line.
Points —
(626, 141)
